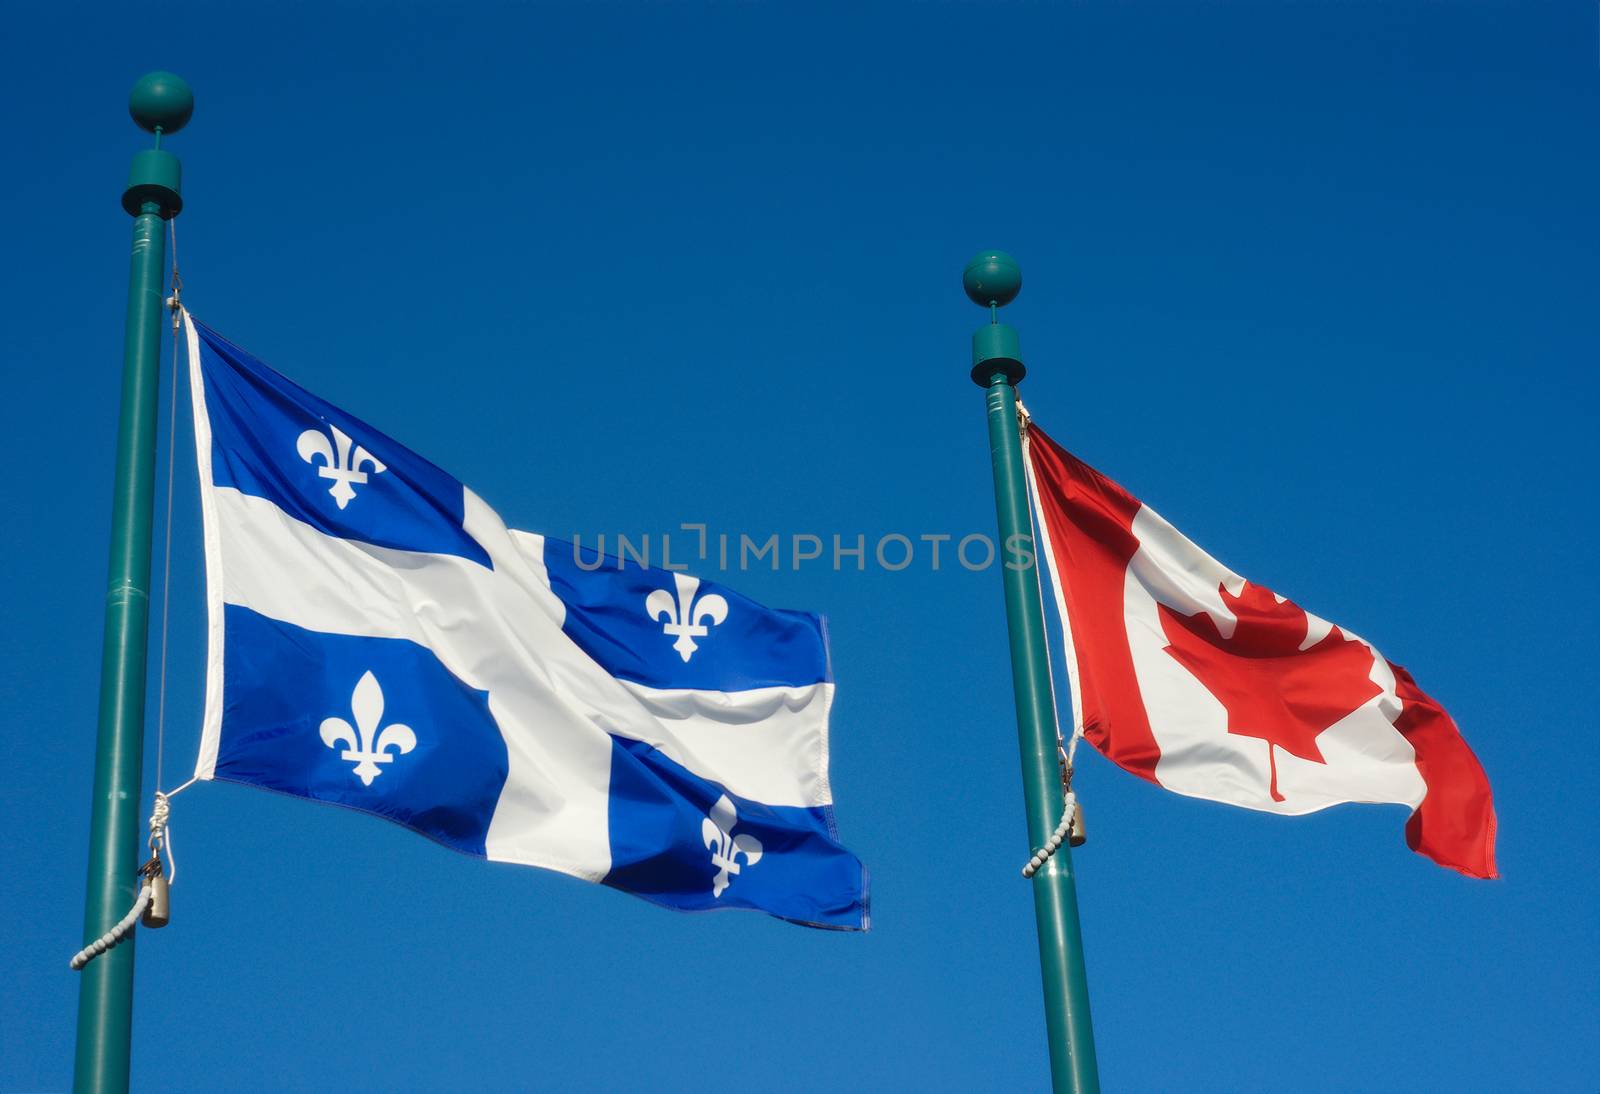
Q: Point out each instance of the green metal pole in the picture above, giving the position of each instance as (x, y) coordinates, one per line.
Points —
(160, 103)
(993, 279)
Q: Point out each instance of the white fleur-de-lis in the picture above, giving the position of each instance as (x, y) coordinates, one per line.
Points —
(339, 463)
(725, 847)
(683, 615)
(365, 745)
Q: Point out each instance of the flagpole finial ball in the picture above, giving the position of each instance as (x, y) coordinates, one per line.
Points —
(161, 101)
(992, 278)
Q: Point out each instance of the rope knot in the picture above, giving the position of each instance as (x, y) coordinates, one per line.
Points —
(162, 810)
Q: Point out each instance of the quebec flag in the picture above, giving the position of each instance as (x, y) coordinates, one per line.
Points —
(379, 639)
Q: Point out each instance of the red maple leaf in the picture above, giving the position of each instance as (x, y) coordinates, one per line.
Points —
(1271, 688)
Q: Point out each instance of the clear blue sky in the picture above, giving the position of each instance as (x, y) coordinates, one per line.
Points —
(1316, 281)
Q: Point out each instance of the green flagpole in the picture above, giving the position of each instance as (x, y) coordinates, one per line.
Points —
(161, 104)
(991, 280)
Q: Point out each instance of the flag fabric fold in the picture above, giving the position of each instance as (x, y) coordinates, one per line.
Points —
(379, 639)
(1185, 674)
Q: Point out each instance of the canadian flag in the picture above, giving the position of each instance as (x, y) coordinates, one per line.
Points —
(1188, 675)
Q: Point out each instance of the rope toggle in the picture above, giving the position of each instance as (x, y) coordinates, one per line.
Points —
(1070, 830)
(159, 913)
(151, 907)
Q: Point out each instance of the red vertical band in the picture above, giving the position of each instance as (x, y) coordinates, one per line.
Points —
(1090, 521)
(1455, 824)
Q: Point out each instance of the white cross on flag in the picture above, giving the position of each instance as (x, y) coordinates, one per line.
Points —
(380, 639)
(1188, 675)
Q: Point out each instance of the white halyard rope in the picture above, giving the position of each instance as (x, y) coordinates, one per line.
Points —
(161, 859)
(160, 846)
(160, 841)
(1066, 751)
(115, 935)
(1053, 844)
